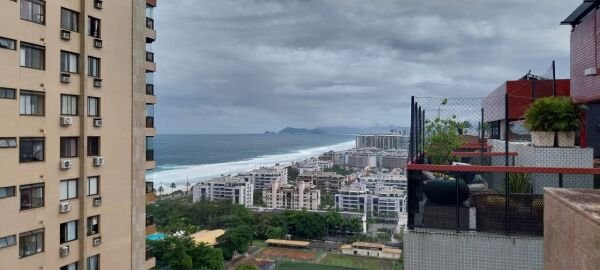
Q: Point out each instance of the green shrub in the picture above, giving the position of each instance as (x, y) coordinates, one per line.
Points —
(442, 139)
(519, 183)
(553, 114)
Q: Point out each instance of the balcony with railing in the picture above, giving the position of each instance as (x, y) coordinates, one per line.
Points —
(460, 180)
(150, 192)
(150, 226)
(150, 259)
(150, 23)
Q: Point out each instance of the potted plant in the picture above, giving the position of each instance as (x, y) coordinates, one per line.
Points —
(566, 121)
(549, 115)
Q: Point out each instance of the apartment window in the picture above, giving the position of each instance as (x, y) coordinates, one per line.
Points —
(8, 142)
(93, 225)
(93, 185)
(7, 43)
(93, 146)
(150, 83)
(72, 266)
(68, 189)
(68, 104)
(31, 103)
(6, 192)
(94, 67)
(32, 196)
(7, 93)
(68, 231)
(33, 10)
(149, 115)
(31, 149)
(31, 243)
(94, 27)
(32, 56)
(7, 241)
(149, 148)
(69, 20)
(93, 106)
(69, 62)
(93, 262)
(68, 147)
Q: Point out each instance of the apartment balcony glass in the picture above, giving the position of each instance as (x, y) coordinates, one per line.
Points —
(149, 253)
(150, 23)
(149, 220)
(150, 115)
(149, 53)
(149, 187)
(150, 83)
(149, 148)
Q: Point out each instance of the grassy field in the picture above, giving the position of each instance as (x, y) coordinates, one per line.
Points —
(358, 262)
(305, 266)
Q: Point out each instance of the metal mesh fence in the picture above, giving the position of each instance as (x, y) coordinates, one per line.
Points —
(473, 167)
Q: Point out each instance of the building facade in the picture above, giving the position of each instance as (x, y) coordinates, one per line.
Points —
(75, 143)
(329, 182)
(263, 177)
(303, 195)
(382, 141)
(585, 82)
(233, 189)
(354, 198)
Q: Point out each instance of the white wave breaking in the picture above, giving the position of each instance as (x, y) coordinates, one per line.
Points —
(197, 173)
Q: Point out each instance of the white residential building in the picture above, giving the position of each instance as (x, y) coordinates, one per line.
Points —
(383, 202)
(234, 189)
(329, 182)
(303, 195)
(388, 202)
(381, 180)
(352, 198)
(313, 165)
(263, 177)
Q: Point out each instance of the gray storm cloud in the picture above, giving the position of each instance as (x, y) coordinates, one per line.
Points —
(237, 66)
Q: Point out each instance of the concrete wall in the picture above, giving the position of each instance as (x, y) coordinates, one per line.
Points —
(447, 250)
(571, 229)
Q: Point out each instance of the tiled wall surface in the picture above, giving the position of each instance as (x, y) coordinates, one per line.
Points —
(548, 157)
(447, 250)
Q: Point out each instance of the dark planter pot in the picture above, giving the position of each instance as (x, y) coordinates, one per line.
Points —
(444, 191)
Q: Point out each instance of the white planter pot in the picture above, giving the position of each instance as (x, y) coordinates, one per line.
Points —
(542, 138)
(566, 139)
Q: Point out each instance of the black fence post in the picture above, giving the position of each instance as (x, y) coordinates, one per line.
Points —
(418, 129)
(412, 126)
(457, 206)
(411, 174)
(507, 175)
(482, 135)
(423, 133)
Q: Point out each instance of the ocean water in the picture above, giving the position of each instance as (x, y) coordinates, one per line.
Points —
(199, 157)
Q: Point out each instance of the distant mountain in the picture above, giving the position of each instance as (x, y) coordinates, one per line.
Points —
(343, 130)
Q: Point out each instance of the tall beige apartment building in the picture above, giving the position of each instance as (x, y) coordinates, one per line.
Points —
(76, 133)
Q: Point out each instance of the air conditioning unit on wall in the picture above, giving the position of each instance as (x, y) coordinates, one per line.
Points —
(66, 164)
(66, 120)
(64, 207)
(98, 161)
(590, 71)
(97, 241)
(65, 34)
(64, 251)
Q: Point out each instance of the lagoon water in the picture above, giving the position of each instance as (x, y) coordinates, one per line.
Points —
(199, 157)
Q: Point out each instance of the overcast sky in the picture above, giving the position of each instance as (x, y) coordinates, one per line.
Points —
(242, 66)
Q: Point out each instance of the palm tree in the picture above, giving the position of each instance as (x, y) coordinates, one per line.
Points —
(173, 186)
(187, 186)
(161, 189)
